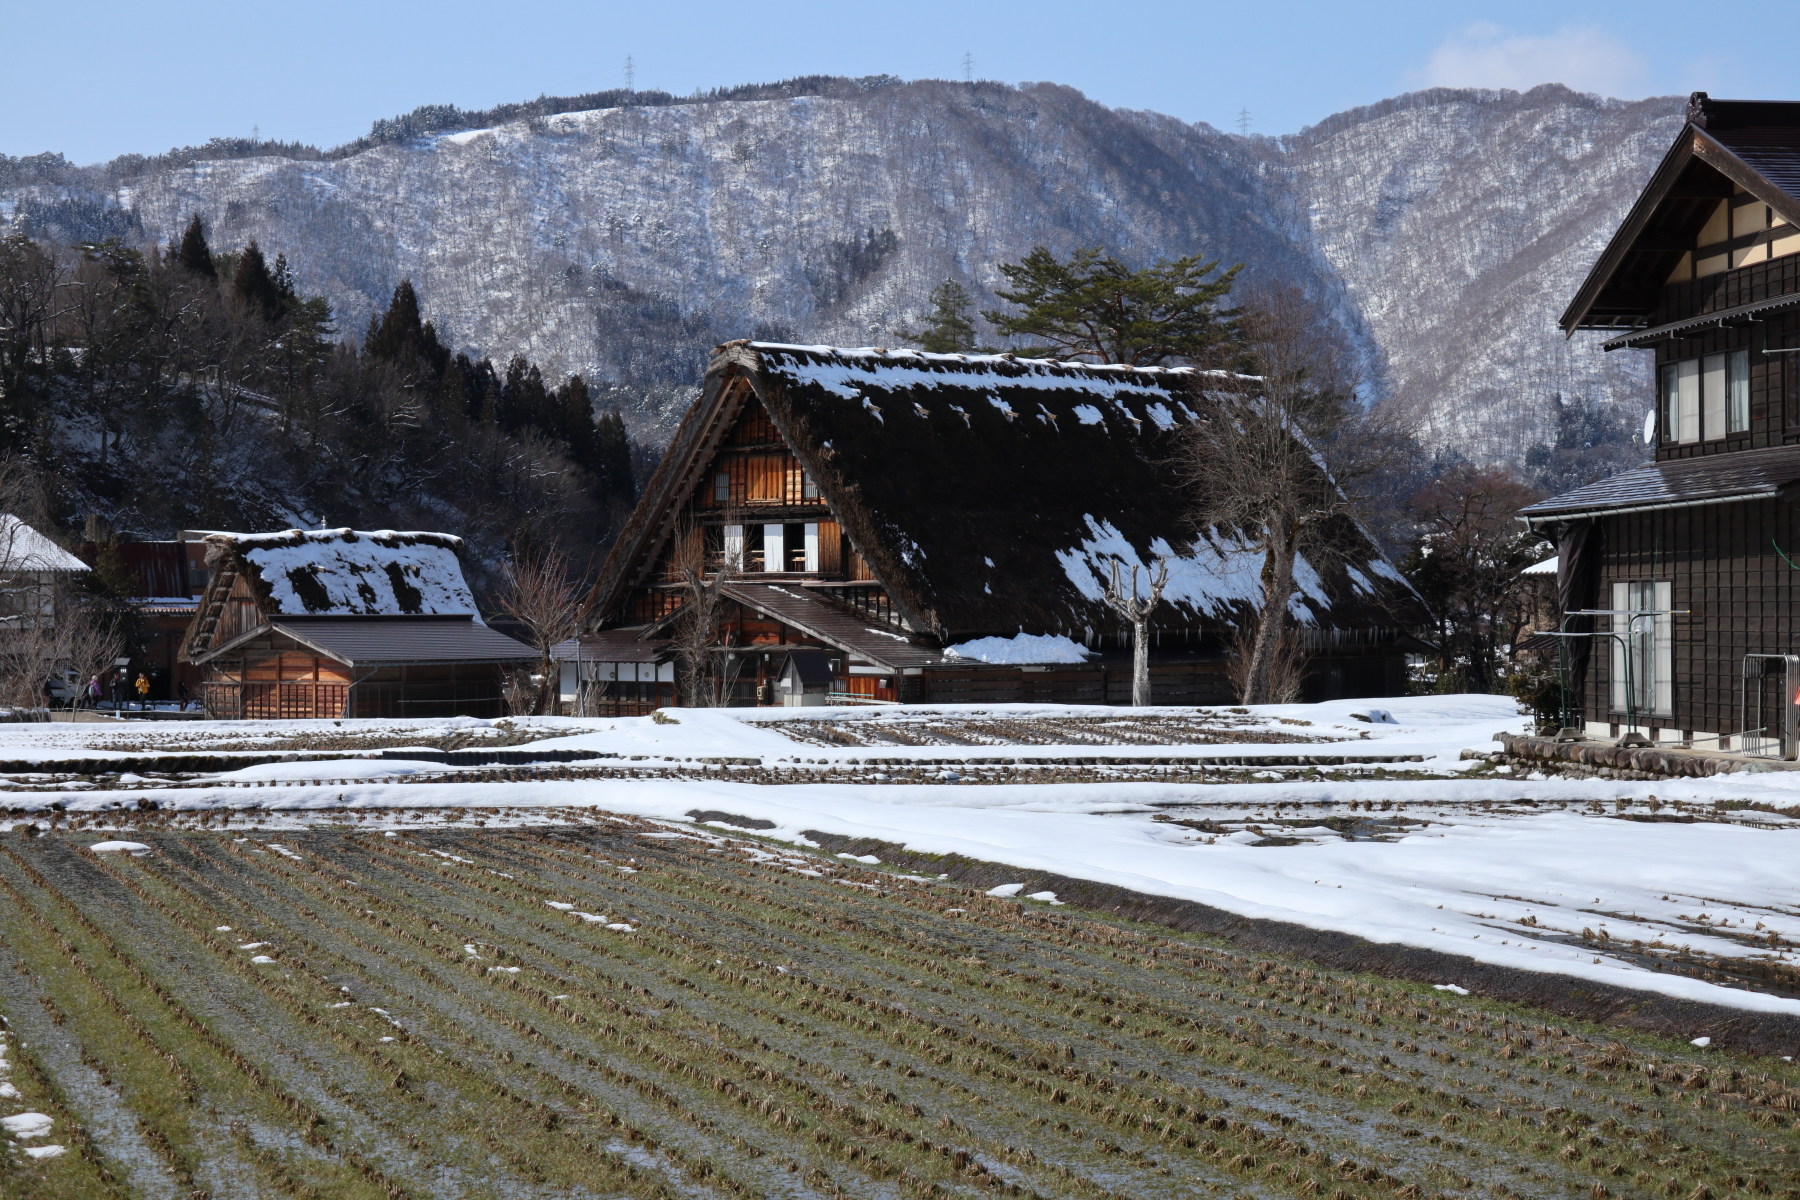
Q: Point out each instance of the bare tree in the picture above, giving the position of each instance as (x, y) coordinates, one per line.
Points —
(1254, 468)
(540, 593)
(707, 675)
(1136, 610)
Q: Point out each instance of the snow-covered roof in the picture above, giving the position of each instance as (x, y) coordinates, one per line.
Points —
(349, 572)
(1547, 567)
(23, 548)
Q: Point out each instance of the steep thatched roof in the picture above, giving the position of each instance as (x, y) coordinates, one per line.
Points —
(348, 573)
(991, 493)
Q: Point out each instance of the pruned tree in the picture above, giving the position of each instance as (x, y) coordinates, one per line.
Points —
(1255, 472)
(1094, 306)
(539, 591)
(1136, 609)
(707, 673)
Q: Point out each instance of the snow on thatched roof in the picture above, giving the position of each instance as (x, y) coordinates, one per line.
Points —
(992, 493)
(348, 572)
(23, 548)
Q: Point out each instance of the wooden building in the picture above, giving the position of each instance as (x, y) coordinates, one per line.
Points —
(941, 528)
(341, 623)
(1683, 575)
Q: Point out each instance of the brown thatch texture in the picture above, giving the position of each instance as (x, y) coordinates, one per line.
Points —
(349, 573)
(990, 493)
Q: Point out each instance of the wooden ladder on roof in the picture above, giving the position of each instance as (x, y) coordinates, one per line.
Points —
(225, 582)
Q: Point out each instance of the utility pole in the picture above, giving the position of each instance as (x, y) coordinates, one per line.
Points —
(968, 67)
(630, 74)
(1243, 122)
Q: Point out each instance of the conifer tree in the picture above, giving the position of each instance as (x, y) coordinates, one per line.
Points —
(948, 330)
(194, 254)
(1093, 306)
(399, 331)
(252, 283)
(611, 463)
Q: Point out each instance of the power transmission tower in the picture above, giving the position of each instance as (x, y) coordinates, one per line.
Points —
(630, 74)
(968, 67)
(1243, 122)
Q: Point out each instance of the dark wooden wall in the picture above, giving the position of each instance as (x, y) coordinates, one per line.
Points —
(1722, 563)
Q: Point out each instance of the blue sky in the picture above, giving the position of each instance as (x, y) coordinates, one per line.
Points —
(105, 77)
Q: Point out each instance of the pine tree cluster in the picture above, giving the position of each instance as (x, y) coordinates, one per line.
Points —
(180, 387)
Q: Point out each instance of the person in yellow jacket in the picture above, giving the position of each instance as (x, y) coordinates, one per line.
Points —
(142, 687)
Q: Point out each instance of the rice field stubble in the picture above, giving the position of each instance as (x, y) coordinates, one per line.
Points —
(621, 1009)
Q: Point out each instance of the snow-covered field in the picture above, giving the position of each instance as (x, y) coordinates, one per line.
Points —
(1621, 882)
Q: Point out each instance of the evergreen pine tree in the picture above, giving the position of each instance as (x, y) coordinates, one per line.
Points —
(194, 253)
(611, 459)
(1094, 306)
(948, 330)
(399, 331)
(252, 283)
(283, 278)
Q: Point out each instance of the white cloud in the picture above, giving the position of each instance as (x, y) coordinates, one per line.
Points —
(1578, 56)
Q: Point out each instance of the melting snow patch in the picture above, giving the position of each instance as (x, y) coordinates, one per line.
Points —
(622, 927)
(1702, 1042)
(559, 906)
(1449, 987)
(861, 858)
(590, 918)
(27, 1125)
(508, 970)
(8, 1092)
(45, 1151)
(252, 945)
(1046, 897)
(117, 847)
(1006, 889)
(262, 958)
(1021, 648)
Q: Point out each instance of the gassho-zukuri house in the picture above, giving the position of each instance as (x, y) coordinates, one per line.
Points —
(344, 623)
(942, 527)
(1680, 579)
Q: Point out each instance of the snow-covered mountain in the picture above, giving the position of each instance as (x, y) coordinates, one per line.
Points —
(1447, 228)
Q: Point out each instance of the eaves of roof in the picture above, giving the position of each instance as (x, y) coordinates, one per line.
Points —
(1677, 483)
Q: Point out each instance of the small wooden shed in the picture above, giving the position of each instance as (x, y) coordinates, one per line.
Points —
(805, 679)
(343, 623)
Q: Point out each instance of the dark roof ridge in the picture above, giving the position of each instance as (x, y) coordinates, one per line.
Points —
(882, 354)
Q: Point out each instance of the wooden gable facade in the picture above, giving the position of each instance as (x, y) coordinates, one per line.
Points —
(1680, 575)
(886, 508)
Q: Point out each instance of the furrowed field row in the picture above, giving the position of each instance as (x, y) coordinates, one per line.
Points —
(474, 1063)
(669, 1053)
(1200, 1071)
(168, 1060)
(1554, 1112)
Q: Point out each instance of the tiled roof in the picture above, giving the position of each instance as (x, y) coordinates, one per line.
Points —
(392, 641)
(1708, 479)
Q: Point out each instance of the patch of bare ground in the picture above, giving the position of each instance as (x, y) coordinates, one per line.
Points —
(1206, 728)
(618, 1008)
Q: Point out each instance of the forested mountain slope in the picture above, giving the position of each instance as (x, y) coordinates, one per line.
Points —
(1446, 229)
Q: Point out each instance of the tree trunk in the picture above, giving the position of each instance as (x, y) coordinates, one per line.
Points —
(1140, 662)
(1278, 586)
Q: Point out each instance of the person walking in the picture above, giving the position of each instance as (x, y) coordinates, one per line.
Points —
(118, 689)
(142, 686)
(181, 693)
(93, 691)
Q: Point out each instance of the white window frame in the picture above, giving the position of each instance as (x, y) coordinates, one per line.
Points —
(1649, 639)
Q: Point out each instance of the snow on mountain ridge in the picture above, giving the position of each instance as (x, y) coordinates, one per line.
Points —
(1445, 228)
